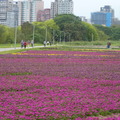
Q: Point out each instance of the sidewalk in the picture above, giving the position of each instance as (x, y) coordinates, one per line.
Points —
(7, 49)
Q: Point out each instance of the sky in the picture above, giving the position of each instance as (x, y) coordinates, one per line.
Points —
(85, 7)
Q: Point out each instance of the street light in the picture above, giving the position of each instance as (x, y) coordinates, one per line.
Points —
(46, 34)
(15, 35)
(33, 35)
(64, 36)
(60, 36)
(92, 38)
(53, 36)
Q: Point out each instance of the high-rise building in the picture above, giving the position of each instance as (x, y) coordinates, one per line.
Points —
(61, 7)
(101, 18)
(107, 9)
(29, 9)
(8, 13)
(16, 13)
(43, 15)
(104, 17)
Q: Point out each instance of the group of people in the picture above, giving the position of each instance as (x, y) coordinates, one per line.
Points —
(24, 44)
(47, 43)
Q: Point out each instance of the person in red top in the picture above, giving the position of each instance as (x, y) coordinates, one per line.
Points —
(25, 44)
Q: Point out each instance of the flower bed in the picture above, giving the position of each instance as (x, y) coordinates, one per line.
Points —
(59, 85)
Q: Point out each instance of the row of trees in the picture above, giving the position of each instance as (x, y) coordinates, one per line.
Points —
(61, 28)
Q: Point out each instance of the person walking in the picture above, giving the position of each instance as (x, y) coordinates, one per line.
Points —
(22, 43)
(44, 43)
(28, 43)
(25, 44)
(32, 43)
(108, 44)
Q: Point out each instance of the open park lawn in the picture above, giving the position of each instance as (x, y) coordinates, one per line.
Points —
(60, 85)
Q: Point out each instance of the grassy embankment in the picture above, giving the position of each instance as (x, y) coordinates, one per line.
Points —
(68, 46)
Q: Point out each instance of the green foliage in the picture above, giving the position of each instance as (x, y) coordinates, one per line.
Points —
(63, 19)
(105, 113)
(10, 35)
(3, 33)
(116, 33)
(91, 32)
(77, 29)
(70, 24)
(27, 30)
(25, 73)
(106, 30)
(112, 33)
(102, 35)
(44, 29)
(65, 27)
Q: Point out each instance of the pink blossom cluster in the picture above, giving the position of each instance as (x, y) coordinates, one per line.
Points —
(59, 85)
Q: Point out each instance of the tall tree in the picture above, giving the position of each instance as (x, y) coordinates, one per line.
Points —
(3, 33)
(27, 30)
(76, 28)
(45, 29)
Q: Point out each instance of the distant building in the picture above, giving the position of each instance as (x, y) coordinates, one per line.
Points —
(61, 7)
(101, 18)
(83, 18)
(107, 9)
(14, 13)
(116, 21)
(104, 17)
(8, 13)
(28, 10)
(43, 15)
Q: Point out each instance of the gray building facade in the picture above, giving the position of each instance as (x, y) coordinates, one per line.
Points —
(61, 7)
(8, 13)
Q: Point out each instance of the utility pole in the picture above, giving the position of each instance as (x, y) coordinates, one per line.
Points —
(92, 38)
(60, 36)
(69, 37)
(46, 34)
(33, 34)
(15, 36)
(53, 36)
(64, 37)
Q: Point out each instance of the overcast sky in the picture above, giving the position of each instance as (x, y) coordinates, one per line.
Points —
(85, 7)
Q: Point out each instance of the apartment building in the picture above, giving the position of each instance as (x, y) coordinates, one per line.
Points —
(43, 15)
(8, 13)
(61, 7)
(28, 10)
(14, 13)
(104, 17)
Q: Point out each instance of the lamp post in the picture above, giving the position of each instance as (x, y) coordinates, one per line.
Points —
(64, 36)
(60, 36)
(92, 38)
(15, 36)
(53, 36)
(46, 34)
(69, 37)
(33, 35)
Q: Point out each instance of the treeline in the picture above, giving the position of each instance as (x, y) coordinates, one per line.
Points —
(61, 28)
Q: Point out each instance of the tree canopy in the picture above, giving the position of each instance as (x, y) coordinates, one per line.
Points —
(64, 27)
(76, 28)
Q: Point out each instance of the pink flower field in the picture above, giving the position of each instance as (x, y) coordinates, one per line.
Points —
(60, 85)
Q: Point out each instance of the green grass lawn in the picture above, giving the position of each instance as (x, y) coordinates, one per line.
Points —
(68, 46)
(73, 43)
(58, 48)
(99, 43)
